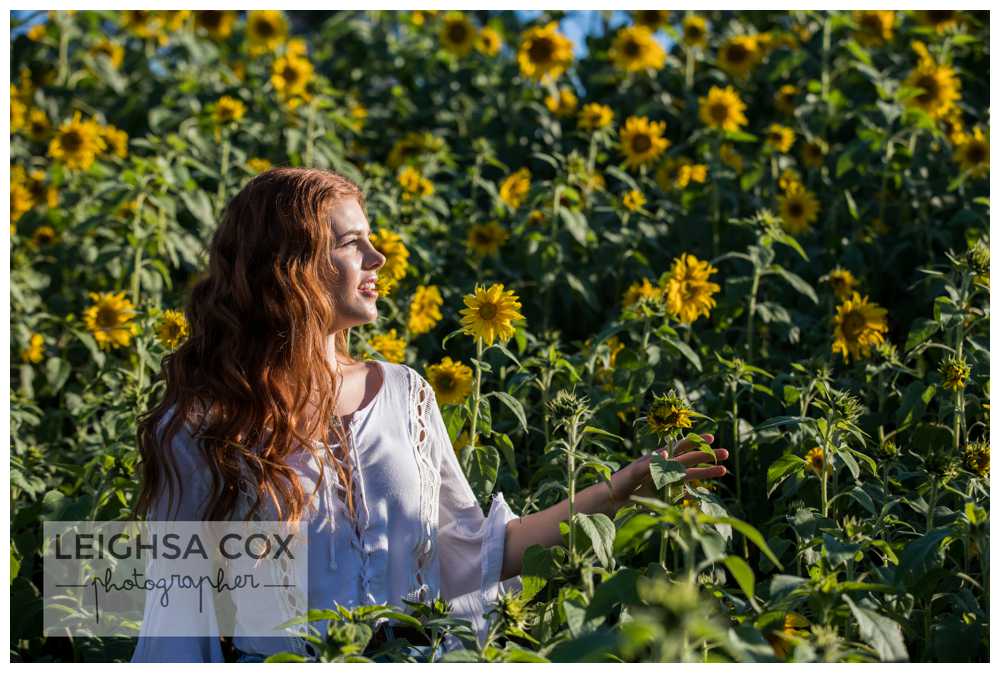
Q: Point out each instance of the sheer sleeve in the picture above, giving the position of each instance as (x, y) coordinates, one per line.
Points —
(470, 545)
(194, 473)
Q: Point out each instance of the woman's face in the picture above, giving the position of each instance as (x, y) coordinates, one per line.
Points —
(357, 263)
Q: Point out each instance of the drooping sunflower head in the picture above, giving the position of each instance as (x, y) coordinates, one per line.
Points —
(955, 372)
(172, 328)
(974, 153)
(633, 200)
(642, 141)
(218, 24)
(784, 99)
(694, 32)
(544, 53)
(291, 74)
(109, 319)
(488, 41)
(689, 292)
(941, 20)
(515, 188)
(814, 153)
(652, 19)
(874, 26)
(39, 126)
(77, 143)
(486, 239)
(814, 460)
(668, 415)
(842, 282)
(266, 29)
(458, 34)
(414, 183)
(939, 88)
(451, 381)
(738, 55)
(425, 309)
(780, 138)
(635, 49)
(43, 236)
(35, 350)
(258, 165)
(490, 313)
(595, 116)
(798, 208)
(116, 140)
(977, 457)
(390, 346)
(396, 260)
(859, 326)
(228, 110)
(563, 104)
(642, 289)
(729, 156)
(722, 109)
(678, 173)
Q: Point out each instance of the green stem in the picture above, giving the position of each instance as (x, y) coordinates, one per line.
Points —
(755, 285)
(571, 466)
(476, 392)
(932, 504)
(310, 129)
(223, 170)
(736, 447)
(689, 69)
(716, 225)
(63, 74)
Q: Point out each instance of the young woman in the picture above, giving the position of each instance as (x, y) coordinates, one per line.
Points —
(265, 411)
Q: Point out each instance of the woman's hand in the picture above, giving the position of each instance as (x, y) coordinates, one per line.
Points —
(635, 479)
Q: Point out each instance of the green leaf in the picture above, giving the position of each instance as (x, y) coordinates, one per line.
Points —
(778, 421)
(920, 556)
(742, 573)
(852, 207)
(916, 397)
(483, 466)
(583, 289)
(797, 282)
(879, 631)
(601, 531)
(749, 532)
(444, 342)
(514, 405)
(781, 469)
(592, 430)
(619, 588)
(684, 350)
(634, 528)
(923, 329)
(503, 349)
(665, 471)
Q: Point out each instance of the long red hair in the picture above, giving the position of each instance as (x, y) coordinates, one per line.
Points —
(255, 364)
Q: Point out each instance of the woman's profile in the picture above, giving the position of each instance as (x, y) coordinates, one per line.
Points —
(265, 413)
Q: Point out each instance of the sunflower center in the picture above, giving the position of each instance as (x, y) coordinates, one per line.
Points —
(265, 29)
(107, 316)
(736, 53)
(291, 74)
(795, 209)
(719, 111)
(632, 49)
(853, 325)
(72, 141)
(210, 19)
(641, 143)
(870, 23)
(458, 33)
(931, 89)
(541, 50)
(693, 33)
(446, 382)
(976, 153)
(939, 16)
(488, 311)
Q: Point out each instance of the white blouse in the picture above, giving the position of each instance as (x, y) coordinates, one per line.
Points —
(422, 531)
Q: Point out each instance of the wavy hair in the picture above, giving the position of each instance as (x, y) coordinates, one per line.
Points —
(255, 364)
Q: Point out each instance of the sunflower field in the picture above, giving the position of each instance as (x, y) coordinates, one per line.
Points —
(770, 226)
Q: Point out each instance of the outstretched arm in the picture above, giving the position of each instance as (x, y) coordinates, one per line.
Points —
(542, 528)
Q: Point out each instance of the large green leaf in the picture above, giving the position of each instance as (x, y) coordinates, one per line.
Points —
(742, 573)
(601, 531)
(879, 631)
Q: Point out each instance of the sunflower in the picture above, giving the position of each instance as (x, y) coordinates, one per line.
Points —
(730, 157)
(411, 146)
(35, 350)
(595, 116)
(814, 153)
(536, 218)
(291, 75)
(458, 35)
(486, 239)
(653, 19)
(738, 55)
(939, 19)
(488, 41)
(258, 165)
(37, 32)
(172, 329)
(858, 327)
(490, 312)
(955, 372)
(563, 104)
(109, 319)
(953, 126)
(633, 200)
(18, 110)
(874, 26)
(396, 260)
(43, 236)
(939, 85)
(451, 381)
(815, 461)
(722, 109)
(38, 125)
(515, 188)
(116, 140)
(77, 143)
(144, 24)
(390, 346)
(791, 628)
(641, 290)
(266, 29)
(799, 209)
(544, 53)
(642, 141)
(784, 100)
(110, 50)
(694, 32)
(420, 17)
(688, 291)
(974, 153)
(414, 183)
(678, 173)
(842, 282)
(39, 190)
(20, 201)
(780, 138)
(977, 457)
(217, 23)
(634, 49)
(668, 414)
(227, 110)
(425, 309)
